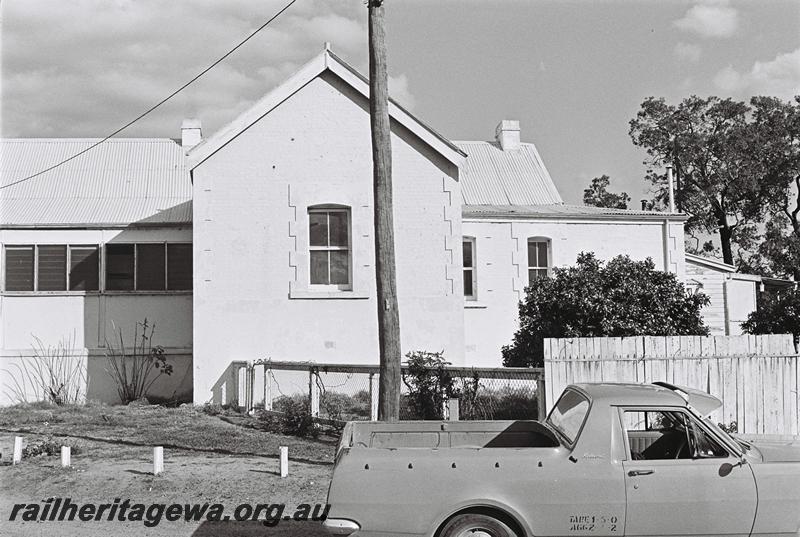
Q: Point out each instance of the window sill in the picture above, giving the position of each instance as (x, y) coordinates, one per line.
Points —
(474, 304)
(306, 294)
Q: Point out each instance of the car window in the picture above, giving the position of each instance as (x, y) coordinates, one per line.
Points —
(568, 415)
(667, 434)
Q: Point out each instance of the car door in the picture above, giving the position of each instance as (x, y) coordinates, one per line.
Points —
(677, 481)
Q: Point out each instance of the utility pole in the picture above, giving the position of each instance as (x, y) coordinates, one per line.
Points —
(385, 278)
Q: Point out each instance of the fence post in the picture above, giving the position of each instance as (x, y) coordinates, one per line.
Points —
(313, 393)
(284, 461)
(66, 456)
(158, 460)
(267, 388)
(541, 399)
(373, 397)
(17, 457)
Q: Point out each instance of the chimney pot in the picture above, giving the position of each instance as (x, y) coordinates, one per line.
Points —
(507, 134)
(191, 133)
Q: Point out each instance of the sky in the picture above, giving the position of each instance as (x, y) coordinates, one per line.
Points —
(572, 72)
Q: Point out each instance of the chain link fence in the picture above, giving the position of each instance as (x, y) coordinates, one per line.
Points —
(342, 392)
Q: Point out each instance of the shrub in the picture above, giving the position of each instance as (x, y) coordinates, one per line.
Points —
(296, 419)
(777, 313)
(135, 370)
(47, 447)
(429, 384)
(619, 298)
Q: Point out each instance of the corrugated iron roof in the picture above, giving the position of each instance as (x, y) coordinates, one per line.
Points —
(514, 177)
(120, 182)
(561, 210)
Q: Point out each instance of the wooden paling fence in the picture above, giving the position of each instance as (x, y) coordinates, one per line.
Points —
(756, 377)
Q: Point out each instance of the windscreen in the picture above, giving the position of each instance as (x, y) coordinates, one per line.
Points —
(569, 414)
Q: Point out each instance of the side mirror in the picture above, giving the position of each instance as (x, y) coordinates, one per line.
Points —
(725, 469)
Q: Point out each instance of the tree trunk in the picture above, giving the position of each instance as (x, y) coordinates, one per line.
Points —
(725, 233)
(388, 315)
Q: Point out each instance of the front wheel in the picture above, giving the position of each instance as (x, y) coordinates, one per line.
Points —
(475, 525)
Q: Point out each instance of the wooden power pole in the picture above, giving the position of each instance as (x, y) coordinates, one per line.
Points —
(385, 278)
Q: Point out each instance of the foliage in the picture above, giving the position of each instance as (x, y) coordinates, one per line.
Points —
(777, 313)
(340, 406)
(429, 384)
(708, 142)
(776, 158)
(730, 428)
(598, 195)
(47, 447)
(619, 298)
(296, 419)
(53, 374)
(738, 173)
(506, 403)
(135, 369)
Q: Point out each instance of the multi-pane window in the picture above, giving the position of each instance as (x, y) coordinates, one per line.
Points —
(538, 259)
(148, 267)
(470, 275)
(51, 267)
(128, 267)
(329, 247)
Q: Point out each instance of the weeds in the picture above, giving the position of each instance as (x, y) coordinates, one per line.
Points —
(52, 374)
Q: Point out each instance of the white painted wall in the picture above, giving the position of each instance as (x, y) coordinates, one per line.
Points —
(89, 318)
(501, 260)
(252, 298)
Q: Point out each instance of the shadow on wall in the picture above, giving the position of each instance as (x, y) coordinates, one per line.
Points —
(173, 389)
(146, 274)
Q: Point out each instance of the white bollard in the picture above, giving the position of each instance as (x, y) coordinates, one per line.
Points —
(284, 461)
(17, 450)
(66, 456)
(158, 460)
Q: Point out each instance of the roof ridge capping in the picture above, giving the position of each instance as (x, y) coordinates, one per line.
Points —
(326, 60)
(563, 210)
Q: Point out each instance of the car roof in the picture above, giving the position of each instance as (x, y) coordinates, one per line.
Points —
(619, 393)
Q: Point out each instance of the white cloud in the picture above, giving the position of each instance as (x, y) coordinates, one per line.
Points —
(688, 52)
(779, 77)
(84, 67)
(715, 19)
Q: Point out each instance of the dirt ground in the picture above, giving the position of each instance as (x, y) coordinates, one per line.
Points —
(106, 468)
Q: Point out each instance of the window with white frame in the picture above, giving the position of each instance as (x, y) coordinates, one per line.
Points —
(52, 267)
(329, 247)
(470, 270)
(538, 258)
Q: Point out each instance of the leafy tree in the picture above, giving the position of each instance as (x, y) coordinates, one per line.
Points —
(598, 195)
(777, 313)
(775, 161)
(710, 143)
(619, 298)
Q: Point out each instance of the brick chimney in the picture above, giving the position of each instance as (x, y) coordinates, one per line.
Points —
(507, 134)
(191, 133)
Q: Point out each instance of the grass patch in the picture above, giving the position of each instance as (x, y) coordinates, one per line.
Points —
(178, 428)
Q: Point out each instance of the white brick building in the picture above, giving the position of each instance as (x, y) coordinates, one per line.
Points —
(281, 223)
